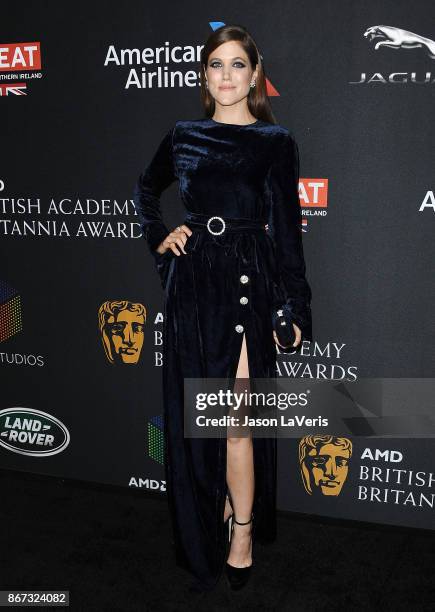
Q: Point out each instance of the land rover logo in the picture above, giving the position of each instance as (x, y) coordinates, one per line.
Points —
(32, 432)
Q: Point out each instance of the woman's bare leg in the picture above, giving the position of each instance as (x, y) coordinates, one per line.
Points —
(228, 510)
(240, 479)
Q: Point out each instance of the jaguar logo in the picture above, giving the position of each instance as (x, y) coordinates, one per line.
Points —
(395, 38)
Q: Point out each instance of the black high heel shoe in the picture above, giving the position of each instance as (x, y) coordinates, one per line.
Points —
(239, 576)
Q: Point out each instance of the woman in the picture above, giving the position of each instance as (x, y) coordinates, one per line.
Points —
(237, 257)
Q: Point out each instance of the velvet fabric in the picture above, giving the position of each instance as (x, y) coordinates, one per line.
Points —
(243, 173)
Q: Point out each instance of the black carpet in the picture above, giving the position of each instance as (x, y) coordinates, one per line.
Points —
(111, 548)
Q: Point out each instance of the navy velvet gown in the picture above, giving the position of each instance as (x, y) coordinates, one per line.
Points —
(225, 287)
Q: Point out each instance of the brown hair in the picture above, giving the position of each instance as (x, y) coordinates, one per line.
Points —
(258, 100)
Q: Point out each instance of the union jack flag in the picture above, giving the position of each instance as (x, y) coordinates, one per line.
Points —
(18, 89)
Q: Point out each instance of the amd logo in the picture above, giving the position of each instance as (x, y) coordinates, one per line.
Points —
(391, 456)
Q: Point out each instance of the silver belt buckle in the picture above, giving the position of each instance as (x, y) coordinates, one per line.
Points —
(223, 226)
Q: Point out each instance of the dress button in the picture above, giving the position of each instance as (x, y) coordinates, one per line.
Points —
(243, 300)
(244, 279)
(239, 328)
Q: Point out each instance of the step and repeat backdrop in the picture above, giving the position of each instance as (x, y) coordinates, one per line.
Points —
(87, 93)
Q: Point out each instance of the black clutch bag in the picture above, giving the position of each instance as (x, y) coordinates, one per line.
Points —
(283, 326)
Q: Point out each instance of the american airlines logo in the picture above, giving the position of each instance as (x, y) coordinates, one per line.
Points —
(165, 66)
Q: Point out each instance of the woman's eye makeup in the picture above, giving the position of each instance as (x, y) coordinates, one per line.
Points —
(217, 64)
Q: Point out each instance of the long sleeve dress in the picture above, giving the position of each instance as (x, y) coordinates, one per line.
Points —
(225, 287)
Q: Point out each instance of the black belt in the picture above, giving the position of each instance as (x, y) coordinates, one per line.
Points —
(218, 225)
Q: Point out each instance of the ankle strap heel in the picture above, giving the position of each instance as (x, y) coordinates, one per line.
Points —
(247, 522)
(238, 576)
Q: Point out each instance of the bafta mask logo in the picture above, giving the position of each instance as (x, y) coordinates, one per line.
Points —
(121, 326)
(324, 463)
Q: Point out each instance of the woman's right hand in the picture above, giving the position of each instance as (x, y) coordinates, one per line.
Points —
(177, 237)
